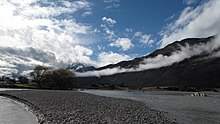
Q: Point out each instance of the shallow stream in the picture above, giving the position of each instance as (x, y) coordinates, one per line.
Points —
(180, 105)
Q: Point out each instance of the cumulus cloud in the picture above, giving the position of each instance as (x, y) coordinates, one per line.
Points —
(144, 38)
(109, 21)
(43, 32)
(18, 61)
(82, 55)
(44, 25)
(112, 4)
(107, 25)
(201, 21)
(15, 61)
(124, 43)
(106, 58)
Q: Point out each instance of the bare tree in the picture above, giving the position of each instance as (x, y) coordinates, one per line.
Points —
(38, 74)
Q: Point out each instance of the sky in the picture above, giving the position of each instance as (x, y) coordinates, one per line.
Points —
(99, 32)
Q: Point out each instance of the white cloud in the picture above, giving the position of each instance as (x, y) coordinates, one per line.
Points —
(189, 2)
(109, 21)
(110, 1)
(35, 24)
(112, 4)
(107, 26)
(15, 61)
(105, 58)
(109, 34)
(124, 43)
(129, 30)
(81, 54)
(100, 47)
(27, 58)
(144, 38)
(201, 21)
(101, 72)
(88, 13)
(138, 34)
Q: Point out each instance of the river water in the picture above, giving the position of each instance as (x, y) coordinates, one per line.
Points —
(179, 105)
(13, 112)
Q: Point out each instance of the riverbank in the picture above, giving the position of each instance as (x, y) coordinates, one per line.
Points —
(19, 86)
(13, 112)
(185, 108)
(122, 88)
(75, 107)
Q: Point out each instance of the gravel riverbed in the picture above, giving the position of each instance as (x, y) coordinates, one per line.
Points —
(71, 107)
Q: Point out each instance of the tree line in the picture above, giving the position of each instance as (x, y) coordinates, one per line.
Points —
(42, 77)
(49, 78)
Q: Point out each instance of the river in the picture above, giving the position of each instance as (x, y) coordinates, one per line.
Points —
(13, 112)
(179, 105)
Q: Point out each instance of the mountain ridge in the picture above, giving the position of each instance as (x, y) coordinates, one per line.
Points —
(173, 45)
(198, 70)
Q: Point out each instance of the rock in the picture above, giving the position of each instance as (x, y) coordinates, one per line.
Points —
(199, 94)
(70, 107)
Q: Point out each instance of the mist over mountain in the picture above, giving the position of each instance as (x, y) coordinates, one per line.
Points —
(189, 62)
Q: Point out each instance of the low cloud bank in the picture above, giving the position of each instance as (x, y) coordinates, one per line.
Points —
(14, 61)
(160, 60)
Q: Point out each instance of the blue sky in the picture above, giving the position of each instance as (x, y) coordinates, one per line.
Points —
(99, 32)
(146, 16)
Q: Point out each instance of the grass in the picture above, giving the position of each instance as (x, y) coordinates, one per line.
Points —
(176, 88)
(162, 88)
(20, 86)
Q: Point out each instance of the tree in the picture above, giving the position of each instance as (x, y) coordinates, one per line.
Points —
(59, 79)
(38, 74)
(23, 79)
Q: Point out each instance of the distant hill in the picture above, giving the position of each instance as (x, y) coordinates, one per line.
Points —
(197, 65)
(80, 67)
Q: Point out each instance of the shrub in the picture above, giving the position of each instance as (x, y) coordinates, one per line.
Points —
(23, 79)
(59, 79)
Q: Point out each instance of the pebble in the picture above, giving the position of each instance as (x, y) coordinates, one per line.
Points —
(72, 107)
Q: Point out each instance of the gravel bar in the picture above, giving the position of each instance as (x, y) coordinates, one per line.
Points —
(72, 107)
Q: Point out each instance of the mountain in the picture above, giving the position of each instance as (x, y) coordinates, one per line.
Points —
(192, 62)
(175, 46)
(80, 67)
